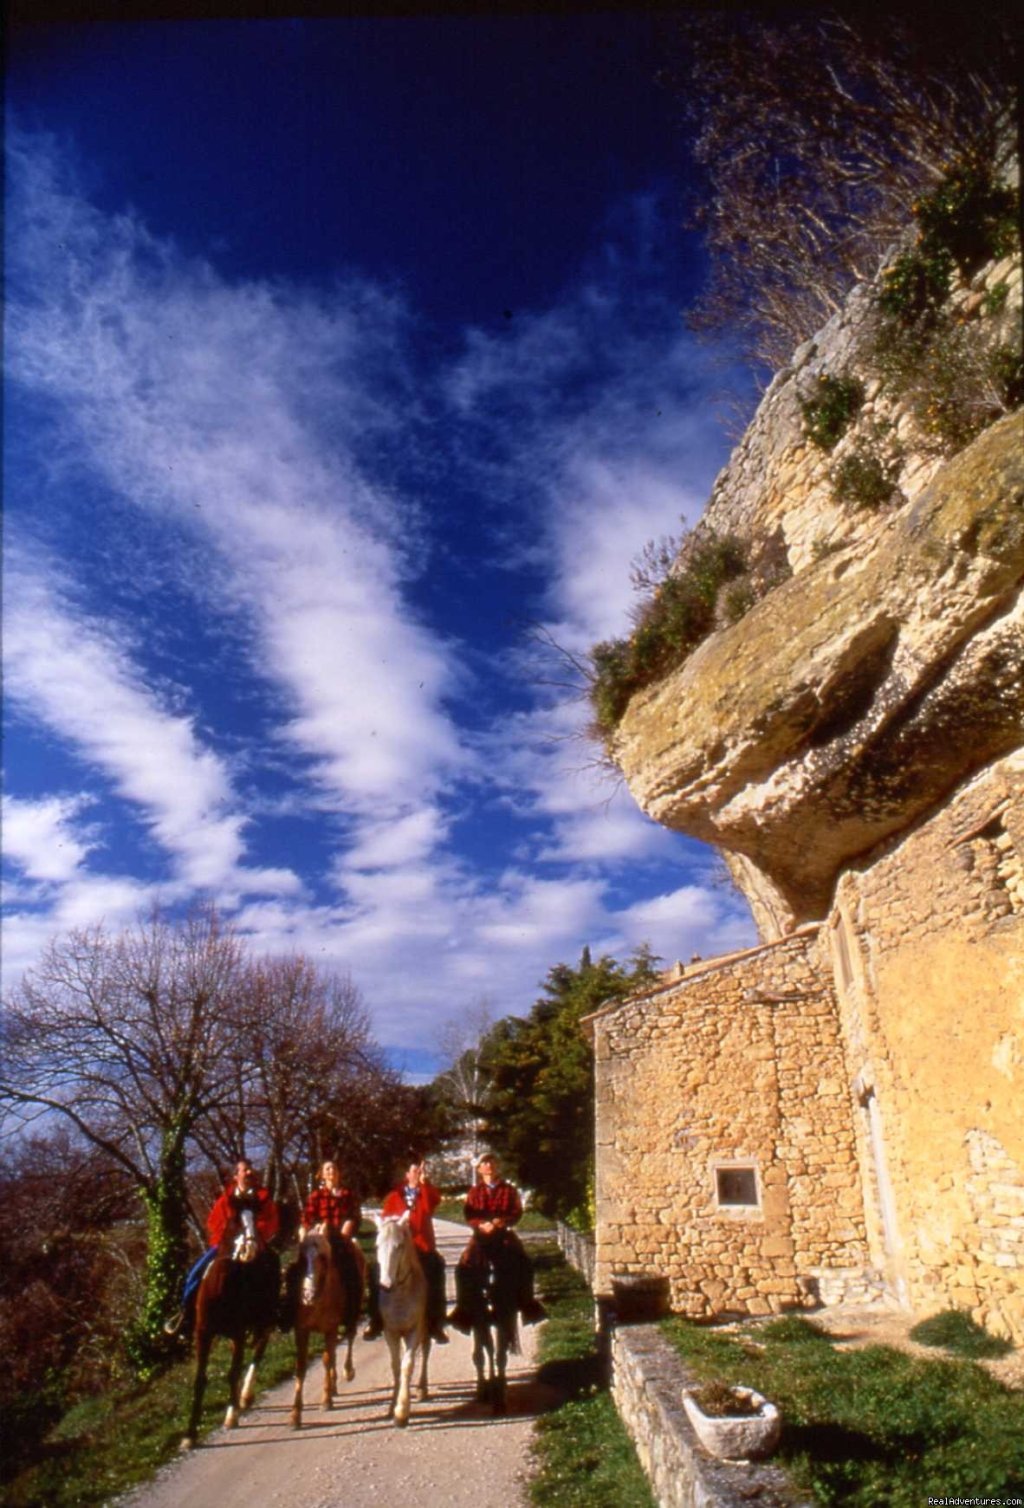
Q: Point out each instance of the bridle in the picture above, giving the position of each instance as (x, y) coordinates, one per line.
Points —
(246, 1243)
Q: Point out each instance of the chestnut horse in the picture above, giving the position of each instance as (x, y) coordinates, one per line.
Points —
(326, 1305)
(238, 1296)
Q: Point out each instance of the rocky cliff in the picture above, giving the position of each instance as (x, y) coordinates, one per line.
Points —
(856, 695)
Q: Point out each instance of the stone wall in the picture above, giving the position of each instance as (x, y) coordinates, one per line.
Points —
(577, 1249)
(927, 945)
(726, 1155)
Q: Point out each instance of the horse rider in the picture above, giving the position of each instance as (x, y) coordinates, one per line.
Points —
(420, 1197)
(333, 1210)
(492, 1208)
(241, 1193)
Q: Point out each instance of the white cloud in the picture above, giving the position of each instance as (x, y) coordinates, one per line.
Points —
(40, 836)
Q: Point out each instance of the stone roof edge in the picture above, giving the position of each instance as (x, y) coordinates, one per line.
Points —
(698, 971)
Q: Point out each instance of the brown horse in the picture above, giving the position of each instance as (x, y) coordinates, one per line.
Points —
(237, 1297)
(328, 1304)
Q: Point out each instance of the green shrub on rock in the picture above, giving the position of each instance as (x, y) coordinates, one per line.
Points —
(831, 409)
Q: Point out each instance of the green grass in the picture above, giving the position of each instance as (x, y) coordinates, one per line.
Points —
(957, 1331)
(108, 1444)
(870, 1427)
(584, 1457)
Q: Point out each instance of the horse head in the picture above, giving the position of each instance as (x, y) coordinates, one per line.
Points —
(246, 1244)
(394, 1248)
(314, 1260)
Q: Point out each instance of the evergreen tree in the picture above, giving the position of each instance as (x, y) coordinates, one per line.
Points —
(540, 1101)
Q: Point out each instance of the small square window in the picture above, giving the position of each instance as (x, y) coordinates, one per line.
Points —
(736, 1188)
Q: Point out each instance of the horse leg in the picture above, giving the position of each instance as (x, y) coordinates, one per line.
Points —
(350, 1370)
(330, 1367)
(301, 1359)
(203, 1344)
(402, 1400)
(501, 1362)
(424, 1388)
(481, 1350)
(393, 1344)
(234, 1381)
(260, 1342)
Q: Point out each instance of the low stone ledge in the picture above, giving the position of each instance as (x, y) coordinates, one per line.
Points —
(648, 1378)
(578, 1250)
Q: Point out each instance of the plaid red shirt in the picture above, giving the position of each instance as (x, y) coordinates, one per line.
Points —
(485, 1201)
(331, 1207)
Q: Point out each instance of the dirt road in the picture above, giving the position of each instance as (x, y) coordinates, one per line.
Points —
(452, 1454)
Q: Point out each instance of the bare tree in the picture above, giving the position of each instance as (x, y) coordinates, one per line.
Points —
(816, 129)
(131, 1039)
(303, 1045)
(462, 1086)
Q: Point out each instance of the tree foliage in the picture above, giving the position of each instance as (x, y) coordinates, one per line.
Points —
(68, 1262)
(816, 130)
(539, 1103)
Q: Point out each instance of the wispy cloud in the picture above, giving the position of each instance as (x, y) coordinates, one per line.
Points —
(260, 430)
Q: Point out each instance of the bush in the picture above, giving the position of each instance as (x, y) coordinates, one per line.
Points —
(952, 388)
(967, 221)
(916, 286)
(970, 217)
(957, 1331)
(862, 479)
(1006, 365)
(832, 408)
(679, 614)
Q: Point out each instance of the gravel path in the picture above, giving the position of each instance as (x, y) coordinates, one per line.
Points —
(453, 1453)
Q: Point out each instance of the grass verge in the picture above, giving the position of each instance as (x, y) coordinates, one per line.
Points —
(108, 1444)
(874, 1426)
(584, 1457)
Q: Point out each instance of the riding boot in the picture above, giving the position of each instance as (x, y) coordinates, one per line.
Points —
(531, 1309)
(462, 1315)
(433, 1268)
(288, 1309)
(376, 1326)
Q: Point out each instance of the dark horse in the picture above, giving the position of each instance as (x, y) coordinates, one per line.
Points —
(491, 1290)
(327, 1303)
(237, 1297)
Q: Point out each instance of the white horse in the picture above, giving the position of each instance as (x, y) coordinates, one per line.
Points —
(403, 1310)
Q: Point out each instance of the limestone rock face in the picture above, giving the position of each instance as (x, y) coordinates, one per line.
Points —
(854, 697)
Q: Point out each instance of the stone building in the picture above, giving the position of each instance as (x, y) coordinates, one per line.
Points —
(839, 1112)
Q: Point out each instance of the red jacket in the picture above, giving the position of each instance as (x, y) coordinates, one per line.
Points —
(420, 1218)
(485, 1201)
(232, 1202)
(331, 1207)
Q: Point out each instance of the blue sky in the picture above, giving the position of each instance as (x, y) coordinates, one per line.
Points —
(341, 358)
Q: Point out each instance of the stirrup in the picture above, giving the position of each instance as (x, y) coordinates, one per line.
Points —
(174, 1324)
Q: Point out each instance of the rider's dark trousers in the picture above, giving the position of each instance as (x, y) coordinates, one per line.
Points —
(509, 1249)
